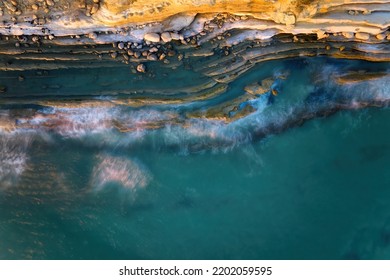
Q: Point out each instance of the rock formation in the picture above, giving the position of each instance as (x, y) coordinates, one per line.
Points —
(215, 40)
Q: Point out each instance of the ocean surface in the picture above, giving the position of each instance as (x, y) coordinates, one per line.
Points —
(304, 176)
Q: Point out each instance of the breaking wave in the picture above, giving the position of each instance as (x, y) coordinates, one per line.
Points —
(129, 174)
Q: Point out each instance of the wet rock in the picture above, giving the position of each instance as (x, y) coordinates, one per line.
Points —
(321, 35)
(381, 36)
(362, 36)
(141, 68)
(166, 37)
(3, 89)
(114, 54)
(152, 37)
(121, 46)
(152, 57)
(137, 54)
(92, 36)
(171, 53)
(348, 35)
(154, 49)
(175, 36)
(180, 57)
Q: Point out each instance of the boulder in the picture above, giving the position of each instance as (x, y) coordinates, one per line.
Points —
(166, 37)
(152, 37)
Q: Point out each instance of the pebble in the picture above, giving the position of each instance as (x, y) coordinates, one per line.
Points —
(180, 57)
(35, 7)
(166, 37)
(141, 68)
(114, 54)
(50, 2)
(121, 46)
(380, 36)
(94, 9)
(362, 36)
(12, 8)
(3, 89)
(92, 36)
(175, 36)
(153, 50)
(171, 53)
(41, 21)
(348, 35)
(152, 37)
(137, 54)
(152, 57)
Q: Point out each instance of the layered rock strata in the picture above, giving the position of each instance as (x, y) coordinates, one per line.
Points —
(213, 41)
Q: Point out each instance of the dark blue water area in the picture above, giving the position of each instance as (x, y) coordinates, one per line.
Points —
(303, 177)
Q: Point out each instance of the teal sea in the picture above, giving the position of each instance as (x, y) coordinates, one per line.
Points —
(304, 176)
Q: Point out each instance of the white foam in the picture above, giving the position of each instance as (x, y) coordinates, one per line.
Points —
(129, 173)
(13, 157)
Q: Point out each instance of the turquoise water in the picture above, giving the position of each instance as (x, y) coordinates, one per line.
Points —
(304, 177)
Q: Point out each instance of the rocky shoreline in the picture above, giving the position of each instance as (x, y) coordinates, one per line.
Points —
(183, 23)
(213, 47)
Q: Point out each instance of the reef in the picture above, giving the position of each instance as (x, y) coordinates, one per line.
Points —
(156, 53)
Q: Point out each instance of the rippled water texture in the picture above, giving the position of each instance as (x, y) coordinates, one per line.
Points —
(97, 165)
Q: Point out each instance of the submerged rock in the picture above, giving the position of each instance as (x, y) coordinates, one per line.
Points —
(3, 89)
(141, 68)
